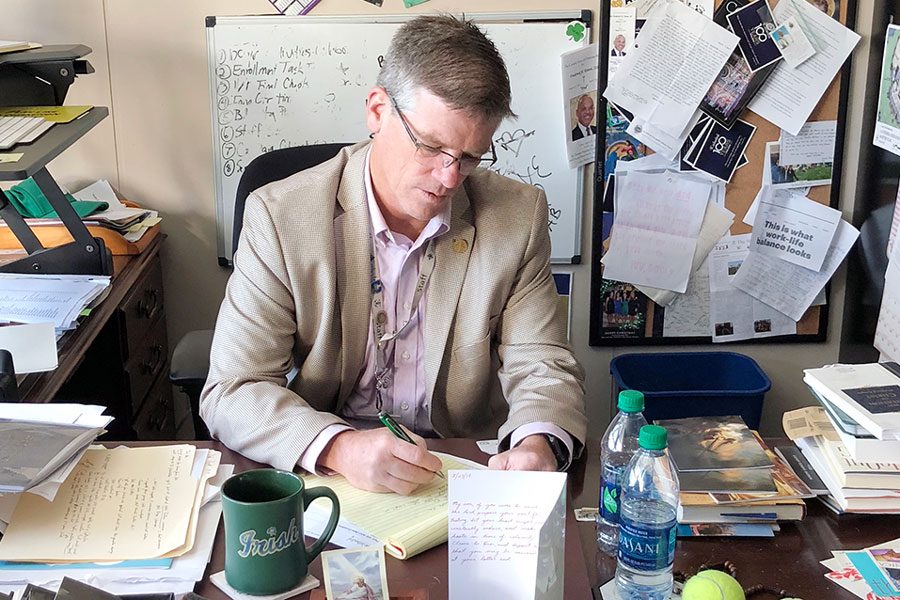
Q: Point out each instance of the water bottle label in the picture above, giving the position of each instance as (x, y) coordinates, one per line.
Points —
(609, 500)
(646, 548)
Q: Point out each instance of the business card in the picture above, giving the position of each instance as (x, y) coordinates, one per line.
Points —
(722, 149)
(753, 25)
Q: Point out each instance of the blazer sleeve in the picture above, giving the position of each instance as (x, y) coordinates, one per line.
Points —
(539, 374)
(245, 402)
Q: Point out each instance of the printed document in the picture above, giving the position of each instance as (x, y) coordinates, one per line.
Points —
(887, 332)
(579, 80)
(787, 287)
(507, 534)
(790, 94)
(794, 228)
(735, 314)
(679, 55)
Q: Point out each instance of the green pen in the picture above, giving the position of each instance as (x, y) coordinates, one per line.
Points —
(388, 421)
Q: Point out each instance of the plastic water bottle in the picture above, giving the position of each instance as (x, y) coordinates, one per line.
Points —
(647, 521)
(619, 444)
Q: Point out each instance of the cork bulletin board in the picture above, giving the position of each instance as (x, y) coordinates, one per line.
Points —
(645, 322)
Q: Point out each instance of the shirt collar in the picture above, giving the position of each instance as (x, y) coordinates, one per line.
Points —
(438, 225)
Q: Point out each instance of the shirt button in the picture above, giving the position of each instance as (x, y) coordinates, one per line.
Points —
(404, 406)
(406, 305)
(405, 355)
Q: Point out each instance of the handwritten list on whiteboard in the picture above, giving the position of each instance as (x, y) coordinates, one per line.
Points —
(277, 82)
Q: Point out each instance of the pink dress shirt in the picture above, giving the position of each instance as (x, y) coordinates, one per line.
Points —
(399, 259)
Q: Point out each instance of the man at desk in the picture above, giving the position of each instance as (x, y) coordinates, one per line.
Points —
(405, 240)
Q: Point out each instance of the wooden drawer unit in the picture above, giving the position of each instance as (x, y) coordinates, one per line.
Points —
(156, 420)
(146, 363)
(141, 307)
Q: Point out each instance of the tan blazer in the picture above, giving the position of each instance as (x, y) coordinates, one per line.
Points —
(496, 355)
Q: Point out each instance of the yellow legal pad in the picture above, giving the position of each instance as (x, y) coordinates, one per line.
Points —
(406, 525)
(57, 114)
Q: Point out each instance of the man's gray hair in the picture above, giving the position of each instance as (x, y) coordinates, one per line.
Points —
(453, 60)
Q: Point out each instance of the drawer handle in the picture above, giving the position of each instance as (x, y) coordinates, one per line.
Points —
(153, 364)
(149, 304)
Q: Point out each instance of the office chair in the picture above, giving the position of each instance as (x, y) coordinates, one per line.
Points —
(190, 359)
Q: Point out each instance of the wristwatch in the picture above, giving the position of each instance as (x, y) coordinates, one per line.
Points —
(560, 452)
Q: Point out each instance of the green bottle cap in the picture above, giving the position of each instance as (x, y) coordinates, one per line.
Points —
(631, 401)
(653, 437)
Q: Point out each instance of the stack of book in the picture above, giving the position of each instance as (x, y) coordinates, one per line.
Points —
(853, 440)
(731, 483)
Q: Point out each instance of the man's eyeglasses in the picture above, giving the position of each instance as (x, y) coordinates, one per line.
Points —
(425, 154)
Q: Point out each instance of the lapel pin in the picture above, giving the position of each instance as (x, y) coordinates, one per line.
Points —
(460, 245)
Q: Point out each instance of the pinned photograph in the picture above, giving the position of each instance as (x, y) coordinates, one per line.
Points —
(793, 176)
(355, 574)
(795, 47)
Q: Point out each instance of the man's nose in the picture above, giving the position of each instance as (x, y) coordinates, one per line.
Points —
(450, 177)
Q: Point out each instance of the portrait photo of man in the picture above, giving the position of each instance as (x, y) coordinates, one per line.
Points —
(584, 117)
(618, 48)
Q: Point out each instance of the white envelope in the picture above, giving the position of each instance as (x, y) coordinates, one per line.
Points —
(33, 346)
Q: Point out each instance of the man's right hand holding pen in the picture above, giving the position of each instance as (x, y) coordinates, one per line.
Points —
(378, 461)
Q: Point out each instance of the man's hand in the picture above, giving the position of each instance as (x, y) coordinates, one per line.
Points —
(377, 461)
(532, 454)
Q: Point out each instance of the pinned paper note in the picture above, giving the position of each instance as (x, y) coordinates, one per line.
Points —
(794, 228)
(887, 117)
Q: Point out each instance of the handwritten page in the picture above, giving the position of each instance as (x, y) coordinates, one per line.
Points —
(814, 144)
(507, 530)
(658, 219)
(679, 55)
(122, 504)
(790, 94)
(406, 525)
(716, 223)
(206, 465)
(794, 228)
(787, 287)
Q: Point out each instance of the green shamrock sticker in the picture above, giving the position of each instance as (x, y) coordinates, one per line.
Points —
(575, 31)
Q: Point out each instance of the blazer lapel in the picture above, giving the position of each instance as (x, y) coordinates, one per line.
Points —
(352, 247)
(452, 251)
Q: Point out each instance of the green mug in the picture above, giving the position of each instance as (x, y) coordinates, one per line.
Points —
(265, 552)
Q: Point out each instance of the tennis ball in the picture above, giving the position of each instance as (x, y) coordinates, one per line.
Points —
(712, 585)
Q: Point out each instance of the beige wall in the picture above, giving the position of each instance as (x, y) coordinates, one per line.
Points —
(150, 59)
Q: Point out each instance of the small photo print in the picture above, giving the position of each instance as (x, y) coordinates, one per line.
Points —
(726, 328)
(733, 266)
(762, 326)
(355, 574)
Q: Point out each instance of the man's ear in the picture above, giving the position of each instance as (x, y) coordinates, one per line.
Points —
(378, 105)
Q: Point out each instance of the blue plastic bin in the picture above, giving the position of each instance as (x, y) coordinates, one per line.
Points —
(693, 384)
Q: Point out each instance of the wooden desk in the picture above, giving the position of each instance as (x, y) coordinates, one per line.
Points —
(118, 356)
(790, 560)
(427, 570)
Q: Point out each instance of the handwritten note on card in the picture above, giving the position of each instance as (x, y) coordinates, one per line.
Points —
(506, 534)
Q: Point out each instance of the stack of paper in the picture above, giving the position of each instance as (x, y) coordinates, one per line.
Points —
(405, 525)
(47, 463)
(57, 299)
(103, 512)
(873, 572)
(131, 222)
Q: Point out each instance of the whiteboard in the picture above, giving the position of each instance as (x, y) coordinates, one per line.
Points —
(278, 81)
